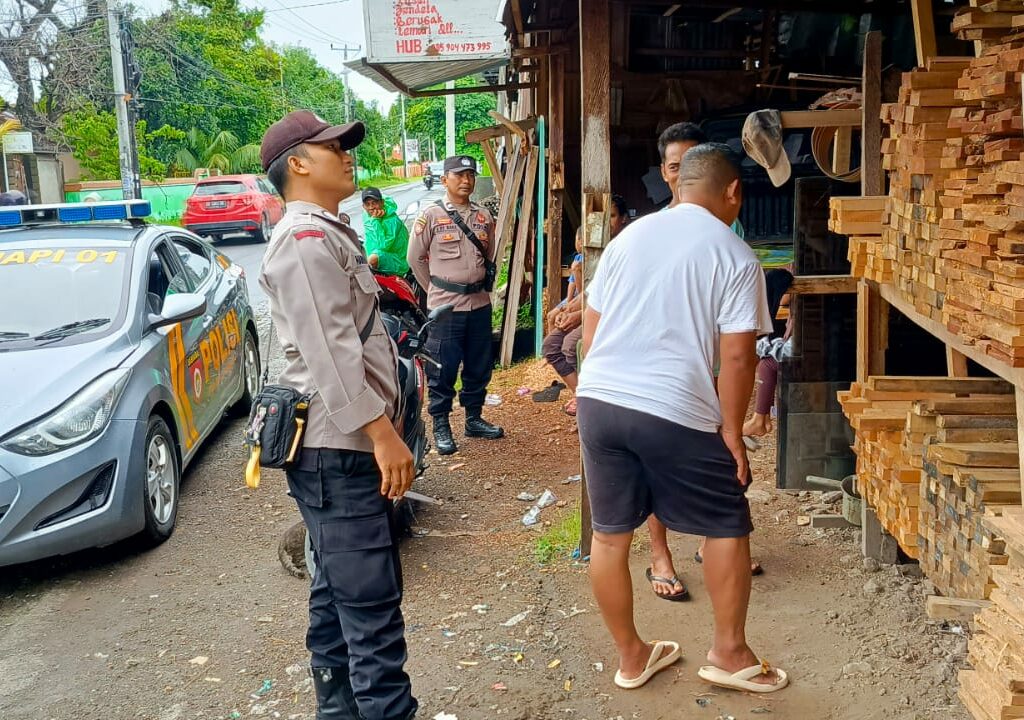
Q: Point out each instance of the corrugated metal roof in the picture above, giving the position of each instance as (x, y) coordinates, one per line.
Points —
(405, 76)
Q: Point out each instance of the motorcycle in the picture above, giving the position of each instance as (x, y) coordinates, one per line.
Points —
(428, 181)
(409, 328)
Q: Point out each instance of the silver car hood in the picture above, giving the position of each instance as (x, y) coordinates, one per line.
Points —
(33, 382)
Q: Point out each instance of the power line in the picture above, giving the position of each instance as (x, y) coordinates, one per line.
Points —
(299, 7)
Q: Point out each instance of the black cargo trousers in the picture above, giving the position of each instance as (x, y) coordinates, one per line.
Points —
(355, 615)
(463, 340)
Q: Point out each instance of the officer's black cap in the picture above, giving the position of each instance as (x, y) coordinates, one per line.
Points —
(302, 126)
(459, 164)
(372, 193)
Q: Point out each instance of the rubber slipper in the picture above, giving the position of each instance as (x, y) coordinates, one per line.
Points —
(755, 569)
(658, 661)
(742, 680)
(550, 393)
(680, 596)
(752, 443)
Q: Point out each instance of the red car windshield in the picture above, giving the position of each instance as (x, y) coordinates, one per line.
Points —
(226, 187)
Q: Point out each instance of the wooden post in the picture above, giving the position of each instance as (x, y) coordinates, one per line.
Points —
(595, 86)
(841, 147)
(556, 177)
(924, 30)
(1020, 431)
(956, 363)
(872, 177)
(872, 310)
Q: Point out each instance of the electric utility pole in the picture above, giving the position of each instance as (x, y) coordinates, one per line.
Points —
(347, 100)
(449, 120)
(131, 185)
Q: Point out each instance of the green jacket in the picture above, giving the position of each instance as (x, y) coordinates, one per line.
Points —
(388, 238)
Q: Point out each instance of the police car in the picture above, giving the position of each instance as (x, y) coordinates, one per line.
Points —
(122, 345)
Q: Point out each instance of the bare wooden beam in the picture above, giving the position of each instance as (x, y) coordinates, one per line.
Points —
(517, 263)
(872, 330)
(493, 166)
(821, 118)
(872, 177)
(924, 30)
(493, 132)
(472, 89)
(512, 127)
(823, 285)
(556, 184)
(956, 363)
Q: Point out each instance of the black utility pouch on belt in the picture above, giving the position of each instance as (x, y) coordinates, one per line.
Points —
(276, 424)
(490, 268)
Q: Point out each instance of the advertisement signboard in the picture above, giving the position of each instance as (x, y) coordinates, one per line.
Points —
(418, 30)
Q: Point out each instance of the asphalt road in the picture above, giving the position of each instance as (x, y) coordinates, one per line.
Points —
(247, 253)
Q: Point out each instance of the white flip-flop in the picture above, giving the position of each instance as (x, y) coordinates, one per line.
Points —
(658, 661)
(742, 679)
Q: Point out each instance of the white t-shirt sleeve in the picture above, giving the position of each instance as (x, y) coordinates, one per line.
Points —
(745, 305)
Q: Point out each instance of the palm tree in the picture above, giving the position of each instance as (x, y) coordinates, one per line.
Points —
(220, 151)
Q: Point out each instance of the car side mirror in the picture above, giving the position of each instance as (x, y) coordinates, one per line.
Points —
(178, 308)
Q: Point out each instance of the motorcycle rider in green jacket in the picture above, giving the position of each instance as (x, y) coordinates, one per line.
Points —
(386, 237)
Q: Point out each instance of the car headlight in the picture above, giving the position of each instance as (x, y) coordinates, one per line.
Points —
(84, 416)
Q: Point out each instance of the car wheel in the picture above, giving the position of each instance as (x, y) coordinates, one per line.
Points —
(263, 234)
(251, 378)
(162, 482)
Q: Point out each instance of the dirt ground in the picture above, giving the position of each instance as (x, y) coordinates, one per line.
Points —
(209, 625)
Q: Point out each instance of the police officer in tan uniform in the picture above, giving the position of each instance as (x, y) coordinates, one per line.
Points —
(453, 267)
(353, 463)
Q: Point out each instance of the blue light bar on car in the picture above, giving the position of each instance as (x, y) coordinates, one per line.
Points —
(75, 213)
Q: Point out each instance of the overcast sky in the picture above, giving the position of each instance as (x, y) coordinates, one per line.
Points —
(338, 22)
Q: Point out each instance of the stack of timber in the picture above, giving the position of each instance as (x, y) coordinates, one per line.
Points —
(986, 21)
(895, 420)
(860, 218)
(962, 482)
(914, 154)
(984, 262)
(994, 688)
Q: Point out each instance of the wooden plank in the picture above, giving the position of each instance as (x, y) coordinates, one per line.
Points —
(494, 132)
(944, 608)
(493, 166)
(841, 147)
(924, 30)
(556, 180)
(792, 119)
(872, 177)
(1020, 432)
(956, 363)
(950, 385)
(872, 331)
(595, 105)
(823, 285)
(517, 266)
(507, 210)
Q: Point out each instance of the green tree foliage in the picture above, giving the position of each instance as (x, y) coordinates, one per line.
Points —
(425, 117)
(220, 151)
(92, 136)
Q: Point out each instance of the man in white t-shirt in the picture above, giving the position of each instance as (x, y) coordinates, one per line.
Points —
(656, 435)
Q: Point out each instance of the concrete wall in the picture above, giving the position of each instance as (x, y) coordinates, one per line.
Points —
(167, 198)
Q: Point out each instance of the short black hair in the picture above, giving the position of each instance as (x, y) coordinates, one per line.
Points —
(277, 173)
(714, 163)
(680, 132)
(620, 204)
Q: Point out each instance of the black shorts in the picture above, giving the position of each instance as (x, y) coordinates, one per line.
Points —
(637, 464)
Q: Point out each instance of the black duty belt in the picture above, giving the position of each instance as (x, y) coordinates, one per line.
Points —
(461, 289)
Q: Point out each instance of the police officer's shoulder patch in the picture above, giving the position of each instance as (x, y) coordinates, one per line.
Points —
(308, 231)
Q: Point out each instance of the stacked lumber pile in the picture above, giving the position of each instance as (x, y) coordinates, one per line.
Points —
(962, 482)
(984, 261)
(895, 420)
(914, 155)
(860, 218)
(986, 21)
(994, 689)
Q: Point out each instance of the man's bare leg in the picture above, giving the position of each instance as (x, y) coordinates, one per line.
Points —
(613, 589)
(727, 576)
(661, 558)
(755, 567)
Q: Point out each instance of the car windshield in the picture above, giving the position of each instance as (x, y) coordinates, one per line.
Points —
(225, 187)
(52, 292)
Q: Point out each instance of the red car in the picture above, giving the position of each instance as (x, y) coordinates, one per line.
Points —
(228, 204)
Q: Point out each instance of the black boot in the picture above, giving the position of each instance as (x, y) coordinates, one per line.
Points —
(477, 427)
(443, 440)
(334, 697)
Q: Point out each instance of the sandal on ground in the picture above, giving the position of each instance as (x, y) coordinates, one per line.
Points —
(680, 596)
(663, 654)
(570, 408)
(752, 443)
(755, 567)
(743, 679)
(550, 393)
